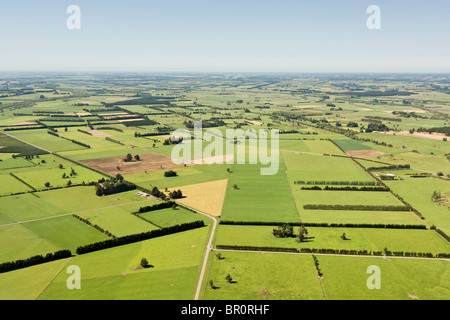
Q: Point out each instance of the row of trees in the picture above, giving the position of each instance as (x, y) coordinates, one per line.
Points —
(113, 186)
(162, 205)
(347, 188)
(109, 234)
(338, 183)
(327, 225)
(287, 231)
(38, 259)
(359, 207)
(390, 167)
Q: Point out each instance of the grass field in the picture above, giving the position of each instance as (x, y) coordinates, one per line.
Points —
(46, 141)
(110, 274)
(170, 217)
(22, 241)
(345, 278)
(371, 239)
(316, 144)
(118, 220)
(263, 276)
(258, 198)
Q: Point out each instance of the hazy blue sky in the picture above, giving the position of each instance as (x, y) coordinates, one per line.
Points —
(225, 36)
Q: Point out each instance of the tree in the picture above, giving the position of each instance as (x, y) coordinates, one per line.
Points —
(137, 157)
(128, 158)
(302, 232)
(61, 166)
(170, 173)
(176, 194)
(284, 231)
(47, 184)
(144, 263)
(436, 196)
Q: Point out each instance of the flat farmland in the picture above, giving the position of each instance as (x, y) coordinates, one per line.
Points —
(355, 216)
(345, 278)
(40, 176)
(171, 217)
(10, 185)
(384, 198)
(22, 241)
(258, 198)
(46, 141)
(371, 239)
(112, 273)
(24, 207)
(322, 168)
(118, 220)
(263, 276)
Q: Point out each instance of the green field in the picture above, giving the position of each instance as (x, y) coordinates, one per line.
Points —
(258, 198)
(370, 239)
(263, 276)
(109, 274)
(321, 118)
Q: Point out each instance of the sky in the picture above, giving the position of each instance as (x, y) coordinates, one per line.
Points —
(225, 36)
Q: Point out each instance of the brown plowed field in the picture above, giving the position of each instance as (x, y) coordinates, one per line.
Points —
(147, 162)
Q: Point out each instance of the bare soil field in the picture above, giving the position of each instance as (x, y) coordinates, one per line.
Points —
(147, 162)
(122, 116)
(365, 153)
(25, 123)
(433, 136)
(98, 134)
(256, 123)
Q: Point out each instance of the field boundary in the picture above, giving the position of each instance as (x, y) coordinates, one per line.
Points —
(335, 252)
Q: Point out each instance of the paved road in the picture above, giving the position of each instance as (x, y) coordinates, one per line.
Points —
(208, 249)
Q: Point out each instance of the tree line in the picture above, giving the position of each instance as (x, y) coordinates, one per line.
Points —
(107, 187)
(336, 251)
(360, 207)
(327, 225)
(349, 183)
(159, 206)
(347, 188)
(34, 260)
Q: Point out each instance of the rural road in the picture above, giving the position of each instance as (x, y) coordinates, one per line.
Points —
(207, 251)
